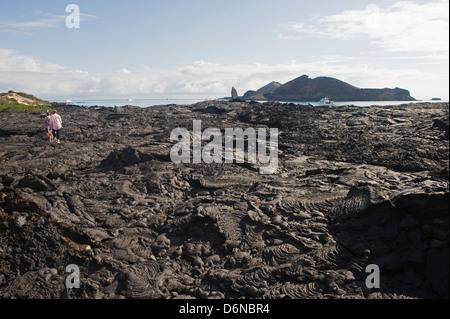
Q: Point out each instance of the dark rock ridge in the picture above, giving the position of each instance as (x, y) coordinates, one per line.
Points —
(259, 94)
(304, 89)
(354, 187)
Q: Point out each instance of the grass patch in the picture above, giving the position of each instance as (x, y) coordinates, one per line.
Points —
(12, 105)
(8, 103)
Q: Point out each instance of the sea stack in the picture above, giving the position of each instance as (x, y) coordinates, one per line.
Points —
(234, 94)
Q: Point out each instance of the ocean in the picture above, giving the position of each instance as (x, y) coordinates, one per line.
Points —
(155, 102)
(135, 102)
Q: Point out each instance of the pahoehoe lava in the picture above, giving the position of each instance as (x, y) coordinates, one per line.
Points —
(355, 186)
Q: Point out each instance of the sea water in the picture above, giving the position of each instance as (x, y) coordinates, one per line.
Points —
(123, 102)
(144, 103)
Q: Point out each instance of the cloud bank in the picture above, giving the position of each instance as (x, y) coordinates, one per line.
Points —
(199, 79)
(401, 27)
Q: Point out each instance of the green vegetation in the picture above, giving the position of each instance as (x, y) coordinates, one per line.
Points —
(31, 103)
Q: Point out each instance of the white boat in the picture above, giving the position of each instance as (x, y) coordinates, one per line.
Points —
(326, 102)
(68, 101)
(130, 100)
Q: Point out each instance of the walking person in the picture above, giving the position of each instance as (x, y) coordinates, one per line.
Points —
(56, 125)
(46, 126)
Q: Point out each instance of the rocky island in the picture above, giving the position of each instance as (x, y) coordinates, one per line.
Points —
(354, 187)
(305, 89)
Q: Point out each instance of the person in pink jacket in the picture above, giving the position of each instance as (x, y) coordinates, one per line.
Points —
(55, 125)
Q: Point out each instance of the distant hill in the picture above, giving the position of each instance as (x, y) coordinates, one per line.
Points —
(304, 89)
(20, 101)
(259, 94)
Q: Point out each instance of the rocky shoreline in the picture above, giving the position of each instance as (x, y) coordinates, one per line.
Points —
(355, 186)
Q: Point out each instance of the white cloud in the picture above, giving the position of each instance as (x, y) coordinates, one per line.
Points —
(11, 62)
(402, 27)
(43, 23)
(48, 20)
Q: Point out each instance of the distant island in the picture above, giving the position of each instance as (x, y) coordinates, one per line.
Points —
(305, 89)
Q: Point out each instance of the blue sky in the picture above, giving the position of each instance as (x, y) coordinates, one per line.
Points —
(200, 48)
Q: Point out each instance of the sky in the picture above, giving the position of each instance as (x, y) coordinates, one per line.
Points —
(201, 48)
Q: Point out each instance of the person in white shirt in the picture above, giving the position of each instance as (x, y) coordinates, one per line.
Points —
(55, 125)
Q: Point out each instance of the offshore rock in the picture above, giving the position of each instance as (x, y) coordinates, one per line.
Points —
(234, 94)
